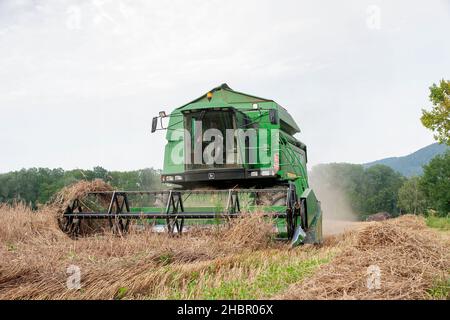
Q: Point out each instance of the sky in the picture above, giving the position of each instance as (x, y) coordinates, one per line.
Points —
(81, 80)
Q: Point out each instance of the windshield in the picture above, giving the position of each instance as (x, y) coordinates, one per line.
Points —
(203, 121)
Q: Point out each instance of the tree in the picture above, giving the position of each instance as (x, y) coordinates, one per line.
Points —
(435, 183)
(438, 119)
(379, 189)
(100, 173)
(410, 197)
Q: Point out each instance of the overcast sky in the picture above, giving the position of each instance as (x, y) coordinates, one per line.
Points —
(81, 80)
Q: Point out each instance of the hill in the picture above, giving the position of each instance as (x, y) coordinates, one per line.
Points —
(411, 165)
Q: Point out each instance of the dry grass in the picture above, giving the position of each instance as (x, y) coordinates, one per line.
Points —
(36, 253)
(20, 224)
(239, 261)
(251, 231)
(410, 256)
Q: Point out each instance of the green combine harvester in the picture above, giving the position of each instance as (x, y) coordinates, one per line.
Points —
(227, 154)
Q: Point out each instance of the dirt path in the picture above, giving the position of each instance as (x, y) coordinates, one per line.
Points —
(335, 227)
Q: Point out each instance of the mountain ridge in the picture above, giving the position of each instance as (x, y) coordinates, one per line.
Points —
(411, 164)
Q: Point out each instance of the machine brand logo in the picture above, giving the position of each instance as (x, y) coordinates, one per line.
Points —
(211, 176)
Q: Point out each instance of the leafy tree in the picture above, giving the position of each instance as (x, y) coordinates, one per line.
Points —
(410, 197)
(37, 185)
(438, 119)
(379, 189)
(435, 184)
(100, 173)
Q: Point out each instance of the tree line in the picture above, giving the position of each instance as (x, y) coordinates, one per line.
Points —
(368, 190)
(381, 189)
(36, 186)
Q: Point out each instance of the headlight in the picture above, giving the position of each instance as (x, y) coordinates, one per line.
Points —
(169, 178)
(254, 173)
(266, 173)
(178, 178)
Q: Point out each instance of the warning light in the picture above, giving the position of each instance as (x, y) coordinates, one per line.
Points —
(209, 96)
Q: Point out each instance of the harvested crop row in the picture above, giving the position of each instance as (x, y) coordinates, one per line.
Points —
(396, 259)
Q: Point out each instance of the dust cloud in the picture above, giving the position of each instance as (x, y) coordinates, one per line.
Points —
(338, 215)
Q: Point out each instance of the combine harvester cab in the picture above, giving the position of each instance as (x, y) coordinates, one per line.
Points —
(227, 154)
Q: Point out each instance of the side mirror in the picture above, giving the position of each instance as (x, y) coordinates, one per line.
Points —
(273, 116)
(154, 124)
(306, 155)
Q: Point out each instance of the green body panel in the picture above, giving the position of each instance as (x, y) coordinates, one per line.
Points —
(312, 205)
